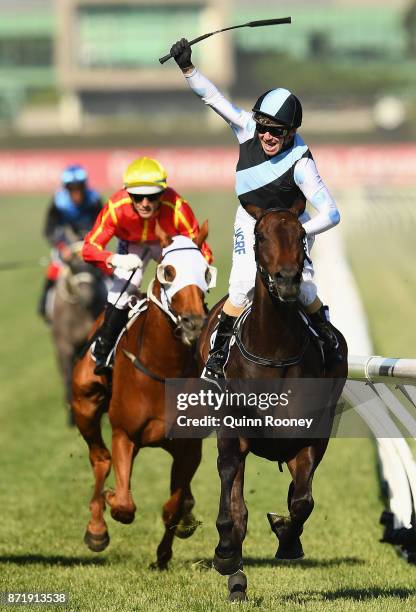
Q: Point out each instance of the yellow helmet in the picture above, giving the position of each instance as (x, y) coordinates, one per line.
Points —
(145, 176)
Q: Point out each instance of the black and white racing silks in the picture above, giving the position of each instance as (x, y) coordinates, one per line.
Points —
(270, 182)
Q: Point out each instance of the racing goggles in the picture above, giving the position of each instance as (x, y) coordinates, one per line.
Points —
(278, 131)
(75, 185)
(139, 197)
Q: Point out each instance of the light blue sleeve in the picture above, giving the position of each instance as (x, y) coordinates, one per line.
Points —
(308, 180)
(241, 121)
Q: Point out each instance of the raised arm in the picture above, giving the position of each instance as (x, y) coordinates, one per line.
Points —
(240, 120)
(312, 186)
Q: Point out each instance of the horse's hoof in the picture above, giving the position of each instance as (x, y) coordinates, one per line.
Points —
(227, 566)
(159, 565)
(122, 516)
(97, 542)
(277, 522)
(237, 586)
(186, 526)
(294, 552)
(237, 596)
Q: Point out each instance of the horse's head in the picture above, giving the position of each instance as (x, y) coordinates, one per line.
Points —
(184, 277)
(82, 283)
(280, 248)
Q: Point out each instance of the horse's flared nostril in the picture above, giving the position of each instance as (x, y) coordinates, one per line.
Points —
(287, 274)
(190, 327)
(192, 322)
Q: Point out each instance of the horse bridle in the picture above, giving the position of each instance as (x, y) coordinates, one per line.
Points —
(266, 277)
(174, 316)
(170, 311)
(271, 287)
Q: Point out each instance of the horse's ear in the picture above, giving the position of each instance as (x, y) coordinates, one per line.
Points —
(203, 234)
(164, 238)
(255, 211)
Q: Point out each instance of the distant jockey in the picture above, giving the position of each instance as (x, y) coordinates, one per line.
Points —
(70, 216)
(135, 215)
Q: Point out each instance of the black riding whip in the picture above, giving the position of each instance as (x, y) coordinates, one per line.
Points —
(250, 24)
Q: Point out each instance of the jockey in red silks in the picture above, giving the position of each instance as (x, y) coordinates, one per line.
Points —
(134, 215)
(70, 216)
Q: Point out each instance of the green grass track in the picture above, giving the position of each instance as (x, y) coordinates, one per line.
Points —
(46, 482)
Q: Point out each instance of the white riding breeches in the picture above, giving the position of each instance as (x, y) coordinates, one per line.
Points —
(243, 271)
(119, 293)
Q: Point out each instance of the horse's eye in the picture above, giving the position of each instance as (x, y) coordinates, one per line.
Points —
(260, 237)
(208, 276)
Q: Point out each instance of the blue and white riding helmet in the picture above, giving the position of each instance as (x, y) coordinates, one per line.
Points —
(74, 174)
(280, 106)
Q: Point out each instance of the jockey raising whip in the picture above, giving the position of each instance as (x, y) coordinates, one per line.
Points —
(275, 170)
(250, 24)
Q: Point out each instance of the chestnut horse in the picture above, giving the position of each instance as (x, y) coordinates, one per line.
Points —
(273, 344)
(158, 345)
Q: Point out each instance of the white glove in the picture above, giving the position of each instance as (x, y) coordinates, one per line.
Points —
(126, 262)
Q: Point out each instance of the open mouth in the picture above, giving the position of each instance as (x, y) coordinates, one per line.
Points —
(270, 146)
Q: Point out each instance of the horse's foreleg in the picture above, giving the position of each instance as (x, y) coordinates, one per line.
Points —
(177, 511)
(238, 507)
(121, 501)
(300, 502)
(88, 420)
(227, 558)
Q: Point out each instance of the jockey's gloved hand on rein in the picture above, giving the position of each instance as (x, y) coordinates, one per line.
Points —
(181, 52)
(126, 262)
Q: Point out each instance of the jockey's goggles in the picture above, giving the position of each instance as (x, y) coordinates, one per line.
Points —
(75, 185)
(139, 197)
(274, 130)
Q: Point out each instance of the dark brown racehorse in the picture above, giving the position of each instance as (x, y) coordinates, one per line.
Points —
(274, 344)
(157, 346)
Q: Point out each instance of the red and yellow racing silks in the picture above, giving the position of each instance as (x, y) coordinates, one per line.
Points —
(118, 218)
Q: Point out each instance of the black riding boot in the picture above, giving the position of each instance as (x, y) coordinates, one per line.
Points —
(114, 321)
(322, 325)
(214, 367)
(47, 285)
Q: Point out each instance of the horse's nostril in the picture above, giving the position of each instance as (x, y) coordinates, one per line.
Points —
(286, 275)
(192, 323)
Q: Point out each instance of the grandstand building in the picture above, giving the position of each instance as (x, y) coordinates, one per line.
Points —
(101, 56)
